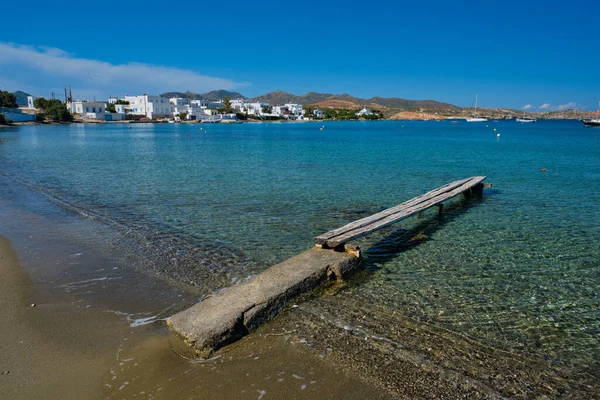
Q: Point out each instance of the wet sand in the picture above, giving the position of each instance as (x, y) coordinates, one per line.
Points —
(61, 350)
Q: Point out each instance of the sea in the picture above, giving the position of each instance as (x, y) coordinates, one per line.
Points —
(517, 271)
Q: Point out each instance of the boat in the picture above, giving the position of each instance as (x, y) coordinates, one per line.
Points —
(475, 118)
(593, 121)
(525, 120)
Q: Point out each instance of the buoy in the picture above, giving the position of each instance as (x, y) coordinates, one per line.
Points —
(494, 129)
(543, 169)
(187, 134)
(201, 128)
(498, 135)
(486, 126)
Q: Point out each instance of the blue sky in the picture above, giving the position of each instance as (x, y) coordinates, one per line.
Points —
(512, 54)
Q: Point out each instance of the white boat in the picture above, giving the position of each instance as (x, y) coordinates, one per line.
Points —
(525, 120)
(593, 121)
(475, 118)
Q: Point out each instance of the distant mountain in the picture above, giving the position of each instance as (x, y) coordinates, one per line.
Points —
(344, 100)
(221, 94)
(278, 98)
(21, 98)
(347, 101)
(212, 96)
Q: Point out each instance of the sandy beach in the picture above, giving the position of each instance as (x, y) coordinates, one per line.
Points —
(65, 338)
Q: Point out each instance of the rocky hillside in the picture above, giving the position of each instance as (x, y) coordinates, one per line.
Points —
(347, 101)
(214, 95)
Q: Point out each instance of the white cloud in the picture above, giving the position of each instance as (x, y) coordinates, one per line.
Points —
(527, 107)
(545, 106)
(567, 106)
(48, 69)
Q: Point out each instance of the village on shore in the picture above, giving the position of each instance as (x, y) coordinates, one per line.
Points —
(184, 109)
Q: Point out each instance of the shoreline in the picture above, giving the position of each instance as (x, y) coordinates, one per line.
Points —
(92, 334)
(415, 119)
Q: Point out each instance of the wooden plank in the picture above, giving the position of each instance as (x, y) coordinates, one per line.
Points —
(354, 233)
(385, 213)
(321, 239)
(387, 217)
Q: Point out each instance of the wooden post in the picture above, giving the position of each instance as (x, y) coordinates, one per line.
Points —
(475, 191)
(440, 209)
(478, 190)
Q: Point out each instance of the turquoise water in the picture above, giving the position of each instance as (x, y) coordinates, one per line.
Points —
(519, 268)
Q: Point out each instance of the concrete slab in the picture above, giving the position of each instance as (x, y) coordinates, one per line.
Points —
(228, 316)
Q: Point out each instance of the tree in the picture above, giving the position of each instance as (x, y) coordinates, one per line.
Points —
(182, 115)
(53, 109)
(111, 108)
(3, 120)
(8, 100)
(40, 102)
(227, 105)
(124, 102)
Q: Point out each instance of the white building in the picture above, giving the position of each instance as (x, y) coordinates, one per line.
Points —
(281, 110)
(364, 111)
(318, 113)
(199, 103)
(114, 116)
(88, 109)
(215, 104)
(149, 106)
(238, 104)
(179, 101)
(295, 109)
(256, 108)
(122, 108)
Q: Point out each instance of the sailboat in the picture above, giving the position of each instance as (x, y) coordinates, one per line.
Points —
(525, 119)
(593, 121)
(475, 118)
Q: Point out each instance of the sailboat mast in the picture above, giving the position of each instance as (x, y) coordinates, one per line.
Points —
(475, 104)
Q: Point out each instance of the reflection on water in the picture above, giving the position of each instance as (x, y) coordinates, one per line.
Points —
(518, 270)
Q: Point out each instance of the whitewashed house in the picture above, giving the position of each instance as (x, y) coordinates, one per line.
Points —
(215, 105)
(88, 109)
(199, 103)
(281, 111)
(122, 108)
(364, 111)
(238, 104)
(179, 101)
(256, 108)
(295, 109)
(152, 107)
(318, 113)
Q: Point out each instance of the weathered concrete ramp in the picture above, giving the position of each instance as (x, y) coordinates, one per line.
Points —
(226, 317)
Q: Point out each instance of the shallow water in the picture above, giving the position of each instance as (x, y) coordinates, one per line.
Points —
(518, 269)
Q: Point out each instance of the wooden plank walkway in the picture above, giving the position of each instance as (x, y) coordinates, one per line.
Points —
(337, 237)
